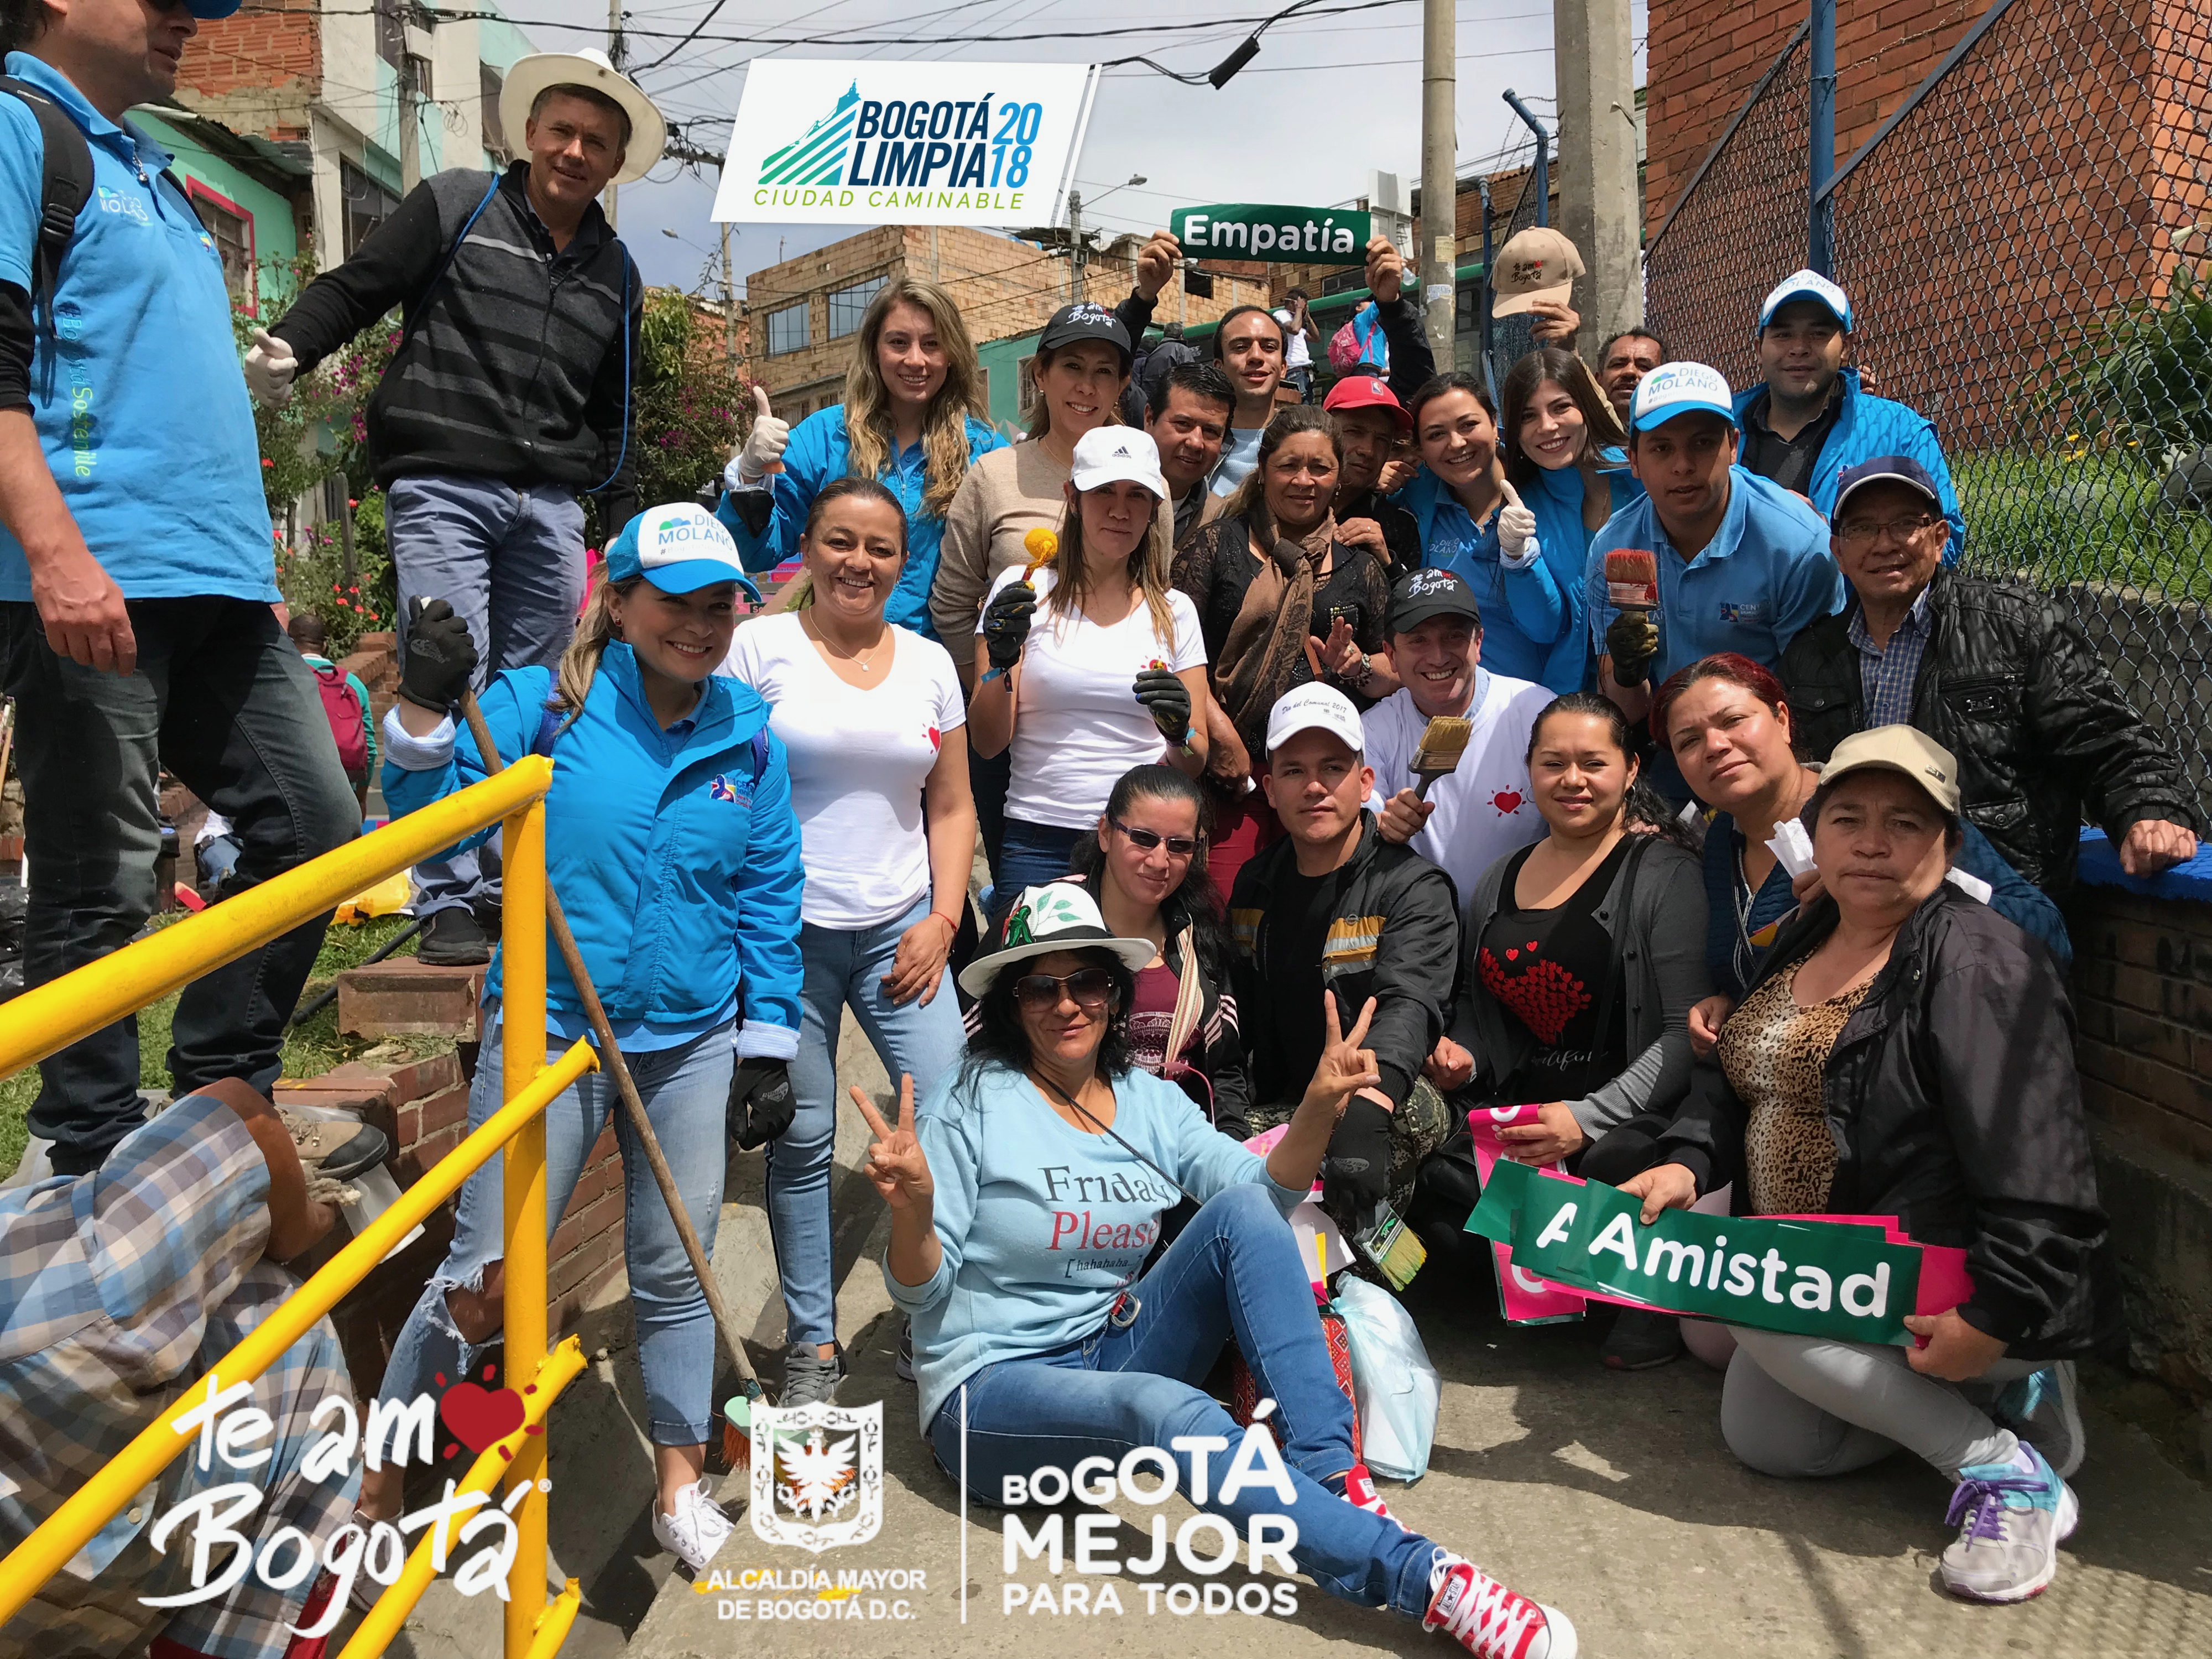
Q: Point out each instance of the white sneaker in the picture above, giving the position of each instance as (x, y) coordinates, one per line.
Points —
(2011, 1517)
(698, 1529)
(1489, 1621)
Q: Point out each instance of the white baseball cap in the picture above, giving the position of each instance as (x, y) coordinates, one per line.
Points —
(1677, 388)
(1314, 708)
(1807, 285)
(1107, 454)
(679, 548)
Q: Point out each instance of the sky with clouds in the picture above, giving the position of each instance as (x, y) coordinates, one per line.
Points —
(1328, 99)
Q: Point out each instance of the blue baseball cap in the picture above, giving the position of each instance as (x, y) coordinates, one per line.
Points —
(1886, 469)
(1807, 285)
(1679, 388)
(208, 10)
(679, 548)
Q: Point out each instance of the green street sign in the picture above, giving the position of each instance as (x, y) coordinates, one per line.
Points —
(1281, 235)
(1841, 1279)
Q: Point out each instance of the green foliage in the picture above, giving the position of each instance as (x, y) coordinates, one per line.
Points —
(2050, 517)
(688, 399)
(2141, 374)
(322, 433)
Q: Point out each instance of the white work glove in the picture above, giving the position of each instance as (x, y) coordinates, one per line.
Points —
(1517, 530)
(269, 366)
(763, 450)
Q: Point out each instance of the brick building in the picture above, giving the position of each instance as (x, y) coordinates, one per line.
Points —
(317, 92)
(803, 313)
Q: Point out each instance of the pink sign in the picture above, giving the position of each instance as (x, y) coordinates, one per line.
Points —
(1527, 1299)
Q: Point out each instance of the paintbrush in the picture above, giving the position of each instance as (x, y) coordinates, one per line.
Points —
(1392, 1248)
(1631, 579)
(1441, 745)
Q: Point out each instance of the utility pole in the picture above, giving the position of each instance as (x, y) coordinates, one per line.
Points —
(1601, 209)
(1439, 186)
(615, 57)
(1074, 246)
(410, 124)
(729, 301)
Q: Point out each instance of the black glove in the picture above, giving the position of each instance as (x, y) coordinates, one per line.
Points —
(1006, 623)
(1168, 700)
(760, 1101)
(1632, 640)
(1356, 1174)
(441, 658)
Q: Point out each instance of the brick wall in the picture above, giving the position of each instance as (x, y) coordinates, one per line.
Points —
(2142, 987)
(232, 67)
(1704, 59)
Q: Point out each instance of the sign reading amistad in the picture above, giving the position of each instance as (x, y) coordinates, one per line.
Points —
(1285, 235)
(903, 142)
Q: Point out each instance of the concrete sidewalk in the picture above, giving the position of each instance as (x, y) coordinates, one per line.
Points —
(1610, 1497)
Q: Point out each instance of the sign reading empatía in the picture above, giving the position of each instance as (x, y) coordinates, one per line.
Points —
(903, 142)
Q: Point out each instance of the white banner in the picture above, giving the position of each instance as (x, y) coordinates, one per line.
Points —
(895, 142)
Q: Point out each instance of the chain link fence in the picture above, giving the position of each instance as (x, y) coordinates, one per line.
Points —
(2028, 245)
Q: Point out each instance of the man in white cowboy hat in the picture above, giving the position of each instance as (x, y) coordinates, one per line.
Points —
(510, 393)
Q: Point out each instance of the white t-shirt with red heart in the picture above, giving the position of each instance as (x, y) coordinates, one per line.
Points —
(1483, 810)
(859, 760)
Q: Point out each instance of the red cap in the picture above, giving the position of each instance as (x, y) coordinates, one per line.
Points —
(1366, 392)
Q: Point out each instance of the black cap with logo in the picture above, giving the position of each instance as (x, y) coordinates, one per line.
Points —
(1086, 319)
(1421, 594)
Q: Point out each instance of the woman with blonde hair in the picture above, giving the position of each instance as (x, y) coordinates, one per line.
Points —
(670, 840)
(912, 419)
(1108, 678)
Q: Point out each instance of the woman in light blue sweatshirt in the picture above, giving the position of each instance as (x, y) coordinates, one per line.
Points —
(1024, 1203)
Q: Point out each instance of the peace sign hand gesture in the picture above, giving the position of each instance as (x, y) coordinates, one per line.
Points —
(1346, 1067)
(895, 1161)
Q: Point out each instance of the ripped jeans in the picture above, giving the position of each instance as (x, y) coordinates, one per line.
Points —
(686, 1092)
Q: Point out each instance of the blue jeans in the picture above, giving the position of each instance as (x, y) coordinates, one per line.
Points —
(1235, 1270)
(221, 698)
(844, 969)
(686, 1091)
(1031, 856)
(510, 561)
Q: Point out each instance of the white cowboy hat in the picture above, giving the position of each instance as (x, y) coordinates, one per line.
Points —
(588, 68)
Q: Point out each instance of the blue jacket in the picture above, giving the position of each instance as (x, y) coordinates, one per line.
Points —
(1871, 425)
(1532, 626)
(1556, 499)
(678, 869)
(820, 452)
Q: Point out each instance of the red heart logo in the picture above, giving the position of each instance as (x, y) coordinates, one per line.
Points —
(1511, 955)
(478, 1416)
(1507, 801)
(1532, 944)
(936, 738)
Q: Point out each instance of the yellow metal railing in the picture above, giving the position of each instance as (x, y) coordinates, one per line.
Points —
(56, 1014)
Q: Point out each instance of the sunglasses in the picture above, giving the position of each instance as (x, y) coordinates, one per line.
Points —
(1088, 988)
(1179, 847)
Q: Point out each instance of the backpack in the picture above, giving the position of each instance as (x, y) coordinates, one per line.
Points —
(343, 710)
(65, 185)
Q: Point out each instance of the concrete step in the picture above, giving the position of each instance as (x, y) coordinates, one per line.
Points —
(408, 998)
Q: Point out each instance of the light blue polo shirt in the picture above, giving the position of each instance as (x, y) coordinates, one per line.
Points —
(1765, 577)
(138, 396)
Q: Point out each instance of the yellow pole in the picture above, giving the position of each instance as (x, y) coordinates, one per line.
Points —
(383, 1621)
(522, 1039)
(59, 1012)
(67, 1530)
(560, 1613)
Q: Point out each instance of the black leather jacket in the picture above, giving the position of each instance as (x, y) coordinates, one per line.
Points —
(2012, 686)
(1953, 1098)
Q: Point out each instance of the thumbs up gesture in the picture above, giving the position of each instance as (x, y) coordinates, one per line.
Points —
(269, 366)
(1516, 527)
(764, 446)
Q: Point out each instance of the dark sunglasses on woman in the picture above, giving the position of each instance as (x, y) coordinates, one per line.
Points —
(1088, 988)
(1179, 847)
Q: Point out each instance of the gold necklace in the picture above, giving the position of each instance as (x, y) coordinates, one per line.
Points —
(814, 632)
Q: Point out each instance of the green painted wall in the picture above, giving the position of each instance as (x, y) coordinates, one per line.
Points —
(276, 240)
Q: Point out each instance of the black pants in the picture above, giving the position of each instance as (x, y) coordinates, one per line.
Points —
(222, 700)
(1629, 1148)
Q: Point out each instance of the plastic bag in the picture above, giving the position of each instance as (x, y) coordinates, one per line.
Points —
(1395, 1386)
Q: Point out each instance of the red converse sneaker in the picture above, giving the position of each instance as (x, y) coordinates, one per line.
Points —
(1359, 1493)
(1489, 1621)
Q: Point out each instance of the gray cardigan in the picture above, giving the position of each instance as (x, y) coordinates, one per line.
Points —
(1655, 916)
